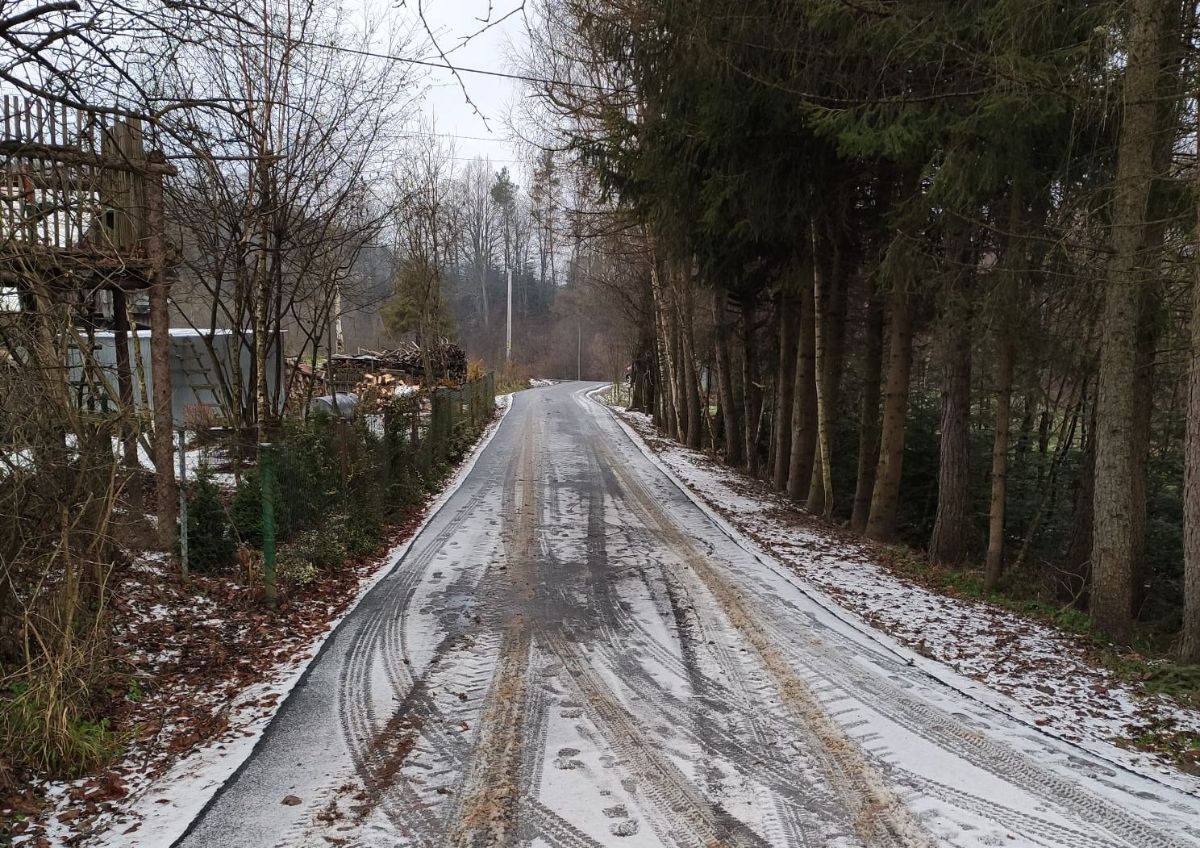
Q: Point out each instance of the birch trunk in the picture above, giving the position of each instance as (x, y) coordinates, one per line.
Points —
(829, 306)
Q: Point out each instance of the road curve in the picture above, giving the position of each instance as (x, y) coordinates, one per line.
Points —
(572, 654)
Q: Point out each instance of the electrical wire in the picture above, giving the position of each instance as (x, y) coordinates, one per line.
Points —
(461, 69)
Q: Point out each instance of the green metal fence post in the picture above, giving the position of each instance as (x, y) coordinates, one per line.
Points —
(183, 504)
(266, 468)
(439, 412)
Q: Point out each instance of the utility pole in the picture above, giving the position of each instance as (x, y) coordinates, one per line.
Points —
(508, 335)
(578, 348)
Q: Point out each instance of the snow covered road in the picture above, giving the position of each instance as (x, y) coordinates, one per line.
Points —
(573, 653)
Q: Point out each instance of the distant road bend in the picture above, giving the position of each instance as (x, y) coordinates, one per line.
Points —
(572, 654)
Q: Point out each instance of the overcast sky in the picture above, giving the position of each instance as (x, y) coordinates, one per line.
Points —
(451, 21)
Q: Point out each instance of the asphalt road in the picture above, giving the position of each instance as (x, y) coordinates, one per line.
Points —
(572, 653)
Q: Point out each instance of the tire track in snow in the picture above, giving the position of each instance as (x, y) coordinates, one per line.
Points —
(680, 813)
(1044, 833)
(748, 746)
(486, 813)
(978, 749)
(880, 816)
(375, 751)
(948, 733)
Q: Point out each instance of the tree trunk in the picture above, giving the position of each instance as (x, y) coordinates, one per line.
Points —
(662, 392)
(262, 306)
(1076, 574)
(1025, 432)
(695, 418)
(786, 389)
(483, 294)
(641, 379)
(124, 378)
(667, 355)
(695, 414)
(1189, 637)
(751, 390)
(881, 523)
(820, 490)
(947, 545)
(994, 566)
(680, 385)
(820, 493)
(868, 425)
(662, 395)
(237, 375)
(166, 490)
(732, 429)
(1112, 548)
(804, 399)
(1143, 410)
(1189, 642)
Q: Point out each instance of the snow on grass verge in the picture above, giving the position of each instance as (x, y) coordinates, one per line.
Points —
(1030, 671)
(171, 770)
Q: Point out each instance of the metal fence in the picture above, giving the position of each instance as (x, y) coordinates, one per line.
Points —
(452, 409)
(328, 478)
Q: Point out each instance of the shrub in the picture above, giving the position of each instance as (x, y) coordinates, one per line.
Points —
(245, 512)
(461, 440)
(42, 727)
(292, 569)
(321, 547)
(210, 540)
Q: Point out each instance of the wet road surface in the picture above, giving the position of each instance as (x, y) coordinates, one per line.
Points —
(573, 654)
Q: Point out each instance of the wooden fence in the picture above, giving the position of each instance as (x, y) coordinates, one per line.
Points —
(78, 192)
(81, 213)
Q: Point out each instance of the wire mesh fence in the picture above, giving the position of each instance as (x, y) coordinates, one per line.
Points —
(338, 483)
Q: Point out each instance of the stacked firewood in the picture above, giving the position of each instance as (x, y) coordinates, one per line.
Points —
(447, 361)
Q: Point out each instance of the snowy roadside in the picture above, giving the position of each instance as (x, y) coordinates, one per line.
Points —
(1038, 675)
(191, 739)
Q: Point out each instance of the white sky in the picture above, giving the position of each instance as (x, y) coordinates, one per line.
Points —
(451, 21)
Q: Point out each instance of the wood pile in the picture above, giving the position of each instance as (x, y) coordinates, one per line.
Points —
(447, 360)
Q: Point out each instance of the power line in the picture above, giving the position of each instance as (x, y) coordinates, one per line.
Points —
(495, 139)
(461, 69)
